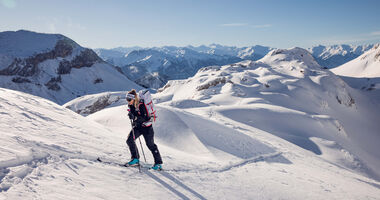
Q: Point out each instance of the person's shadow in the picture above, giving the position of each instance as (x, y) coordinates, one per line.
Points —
(176, 181)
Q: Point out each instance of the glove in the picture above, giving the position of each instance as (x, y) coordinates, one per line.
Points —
(136, 124)
(130, 115)
(133, 124)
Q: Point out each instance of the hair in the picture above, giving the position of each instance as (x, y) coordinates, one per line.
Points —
(136, 103)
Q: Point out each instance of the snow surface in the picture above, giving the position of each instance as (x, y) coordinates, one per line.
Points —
(48, 152)
(366, 65)
(363, 74)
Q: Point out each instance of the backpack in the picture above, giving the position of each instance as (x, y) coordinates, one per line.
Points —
(146, 98)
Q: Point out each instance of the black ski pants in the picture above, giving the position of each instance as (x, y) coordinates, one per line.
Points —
(148, 134)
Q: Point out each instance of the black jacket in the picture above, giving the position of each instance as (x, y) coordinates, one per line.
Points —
(140, 115)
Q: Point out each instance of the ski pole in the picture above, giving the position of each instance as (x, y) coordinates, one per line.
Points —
(142, 149)
(134, 141)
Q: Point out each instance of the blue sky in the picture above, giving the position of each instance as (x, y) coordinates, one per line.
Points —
(280, 23)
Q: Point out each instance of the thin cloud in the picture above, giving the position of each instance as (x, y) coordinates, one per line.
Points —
(375, 33)
(246, 24)
(365, 37)
(262, 26)
(62, 25)
(234, 24)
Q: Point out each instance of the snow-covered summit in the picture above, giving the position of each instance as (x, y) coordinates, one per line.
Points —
(284, 56)
(55, 67)
(22, 43)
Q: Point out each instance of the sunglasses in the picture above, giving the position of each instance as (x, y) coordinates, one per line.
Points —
(129, 99)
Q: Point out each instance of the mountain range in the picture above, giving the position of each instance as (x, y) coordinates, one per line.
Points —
(336, 55)
(153, 67)
(22, 52)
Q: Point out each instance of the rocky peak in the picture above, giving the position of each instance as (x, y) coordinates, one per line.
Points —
(29, 66)
(86, 58)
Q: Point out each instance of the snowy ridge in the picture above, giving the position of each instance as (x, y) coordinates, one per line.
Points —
(24, 43)
(366, 65)
(57, 68)
(92, 103)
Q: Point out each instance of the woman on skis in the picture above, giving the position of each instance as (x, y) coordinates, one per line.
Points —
(141, 125)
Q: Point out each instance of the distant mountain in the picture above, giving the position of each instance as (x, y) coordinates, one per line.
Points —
(336, 55)
(248, 53)
(153, 67)
(55, 67)
(115, 56)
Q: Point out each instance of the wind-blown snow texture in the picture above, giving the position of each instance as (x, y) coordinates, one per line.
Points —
(48, 152)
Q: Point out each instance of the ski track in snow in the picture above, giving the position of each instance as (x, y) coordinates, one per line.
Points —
(26, 164)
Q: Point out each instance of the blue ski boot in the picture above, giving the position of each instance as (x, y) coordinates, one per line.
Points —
(157, 167)
(132, 163)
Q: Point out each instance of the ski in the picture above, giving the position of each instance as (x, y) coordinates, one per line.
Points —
(143, 166)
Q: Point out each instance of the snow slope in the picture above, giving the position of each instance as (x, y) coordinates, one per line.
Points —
(366, 65)
(55, 67)
(288, 94)
(363, 74)
(89, 104)
(48, 152)
(235, 160)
